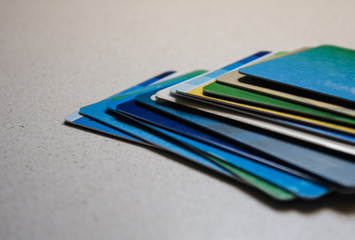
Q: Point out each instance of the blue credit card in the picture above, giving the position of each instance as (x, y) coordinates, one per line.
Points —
(324, 69)
(300, 187)
(156, 117)
(206, 160)
(97, 111)
(143, 135)
(188, 130)
(193, 89)
(127, 126)
(200, 158)
(77, 119)
(337, 169)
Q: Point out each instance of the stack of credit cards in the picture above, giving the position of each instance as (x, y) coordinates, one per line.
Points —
(280, 122)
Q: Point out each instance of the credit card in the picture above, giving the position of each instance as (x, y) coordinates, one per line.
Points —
(216, 90)
(164, 116)
(326, 69)
(194, 89)
(301, 187)
(201, 158)
(272, 124)
(234, 74)
(127, 126)
(169, 144)
(235, 94)
(236, 79)
(97, 111)
(282, 92)
(77, 119)
(336, 168)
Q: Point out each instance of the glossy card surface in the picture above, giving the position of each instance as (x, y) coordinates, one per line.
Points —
(160, 116)
(270, 114)
(273, 124)
(98, 113)
(194, 88)
(325, 69)
(301, 187)
(337, 169)
(185, 150)
(137, 130)
(216, 90)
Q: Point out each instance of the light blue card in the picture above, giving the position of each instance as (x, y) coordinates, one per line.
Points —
(197, 81)
(324, 69)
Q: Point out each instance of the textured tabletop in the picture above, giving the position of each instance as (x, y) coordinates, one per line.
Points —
(59, 182)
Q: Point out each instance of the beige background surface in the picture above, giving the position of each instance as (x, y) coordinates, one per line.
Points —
(59, 182)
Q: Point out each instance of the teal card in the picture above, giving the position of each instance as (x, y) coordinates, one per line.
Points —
(326, 69)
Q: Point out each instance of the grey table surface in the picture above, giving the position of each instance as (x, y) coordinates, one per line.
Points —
(59, 182)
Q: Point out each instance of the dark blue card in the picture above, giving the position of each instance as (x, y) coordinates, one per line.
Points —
(301, 187)
(188, 130)
(336, 168)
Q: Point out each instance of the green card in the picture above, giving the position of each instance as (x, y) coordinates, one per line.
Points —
(253, 98)
(270, 189)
